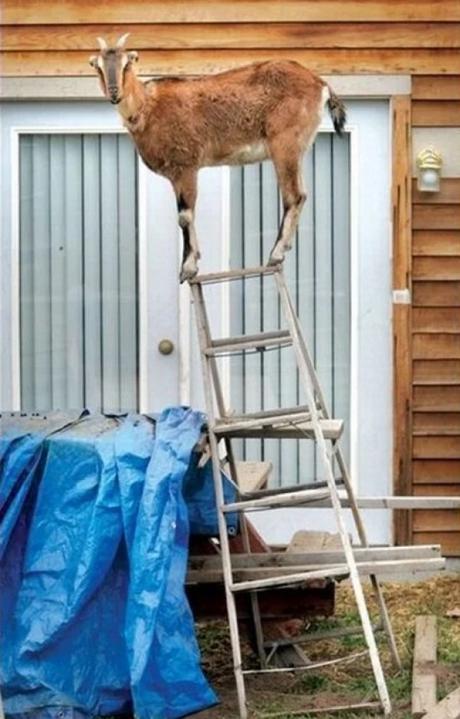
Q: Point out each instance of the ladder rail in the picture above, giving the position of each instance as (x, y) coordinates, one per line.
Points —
(309, 388)
(360, 528)
(211, 362)
(219, 493)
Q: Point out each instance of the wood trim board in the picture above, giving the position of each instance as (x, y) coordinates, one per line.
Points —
(402, 314)
(180, 11)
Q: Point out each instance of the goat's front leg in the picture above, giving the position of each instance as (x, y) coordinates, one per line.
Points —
(186, 191)
(293, 194)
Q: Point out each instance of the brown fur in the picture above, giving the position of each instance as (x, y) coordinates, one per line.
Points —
(265, 110)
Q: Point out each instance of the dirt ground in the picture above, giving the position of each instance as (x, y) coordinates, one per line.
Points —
(291, 694)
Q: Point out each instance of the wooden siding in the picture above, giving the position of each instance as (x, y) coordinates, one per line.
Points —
(220, 11)
(393, 36)
(436, 327)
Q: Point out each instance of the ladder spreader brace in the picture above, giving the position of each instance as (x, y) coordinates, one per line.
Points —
(311, 421)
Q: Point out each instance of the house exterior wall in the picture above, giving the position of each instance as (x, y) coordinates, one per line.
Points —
(436, 312)
(420, 38)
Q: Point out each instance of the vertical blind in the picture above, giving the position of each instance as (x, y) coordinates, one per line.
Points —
(318, 273)
(78, 276)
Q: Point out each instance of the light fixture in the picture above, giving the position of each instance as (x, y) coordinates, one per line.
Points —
(429, 163)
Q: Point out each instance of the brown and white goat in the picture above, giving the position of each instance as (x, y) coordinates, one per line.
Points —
(265, 110)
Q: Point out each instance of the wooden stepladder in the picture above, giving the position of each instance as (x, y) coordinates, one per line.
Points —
(310, 422)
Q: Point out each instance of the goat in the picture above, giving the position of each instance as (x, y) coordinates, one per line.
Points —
(264, 110)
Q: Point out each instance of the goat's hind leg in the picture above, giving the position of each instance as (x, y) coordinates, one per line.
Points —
(292, 191)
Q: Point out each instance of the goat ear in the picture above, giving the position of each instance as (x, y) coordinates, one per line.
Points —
(133, 56)
(93, 61)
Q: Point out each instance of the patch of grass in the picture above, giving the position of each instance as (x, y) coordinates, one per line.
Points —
(351, 682)
(311, 683)
(449, 640)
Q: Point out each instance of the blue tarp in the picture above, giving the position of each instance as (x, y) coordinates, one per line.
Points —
(94, 535)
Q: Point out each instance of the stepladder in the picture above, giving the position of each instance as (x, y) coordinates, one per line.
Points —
(311, 421)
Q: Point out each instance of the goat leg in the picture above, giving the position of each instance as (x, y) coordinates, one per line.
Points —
(186, 198)
(288, 171)
(287, 231)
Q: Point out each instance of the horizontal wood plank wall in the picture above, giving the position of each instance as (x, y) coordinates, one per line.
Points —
(436, 326)
(40, 37)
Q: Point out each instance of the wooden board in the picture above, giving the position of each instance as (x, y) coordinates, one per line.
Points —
(252, 475)
(436, 294)
(323, 557)
(180, 11)
(402, 314)
(437, 472)
(439, 520)
(449, 541)
(437, 399)
(423, 675)
(435, 113)
(436, 268)
(435, 372)
(448, 708)
(449, 191)
(432, 423)
(178, 62)
(437, 446)
(174, 36)
(303, 541)
(277, 576)
(435, 87)
(436, 217)
(425, 490)
(208, 601)
(441, 346)
(436, 319)
(436, 243)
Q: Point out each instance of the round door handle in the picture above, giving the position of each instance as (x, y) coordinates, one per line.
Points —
(166, 347)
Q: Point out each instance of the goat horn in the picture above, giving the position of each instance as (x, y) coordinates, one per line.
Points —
(102, 43)
(122, 40)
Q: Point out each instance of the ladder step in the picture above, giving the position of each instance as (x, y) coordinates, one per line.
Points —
(296, 425)
(255, 494)
(286, 499)
(242, 343)
(230, 275)
(297, 578)
(267, 417)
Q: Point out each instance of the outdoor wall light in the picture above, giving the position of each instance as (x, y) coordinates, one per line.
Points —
(429, 163)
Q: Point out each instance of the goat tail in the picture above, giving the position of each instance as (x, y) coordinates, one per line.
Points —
(337, 112)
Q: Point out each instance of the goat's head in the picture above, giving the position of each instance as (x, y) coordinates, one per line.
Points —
(111, 65)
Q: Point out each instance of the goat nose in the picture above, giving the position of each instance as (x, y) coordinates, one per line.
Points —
(114, 98)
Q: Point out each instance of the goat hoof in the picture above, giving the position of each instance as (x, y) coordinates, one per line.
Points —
(187, 274)
(275, 259)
